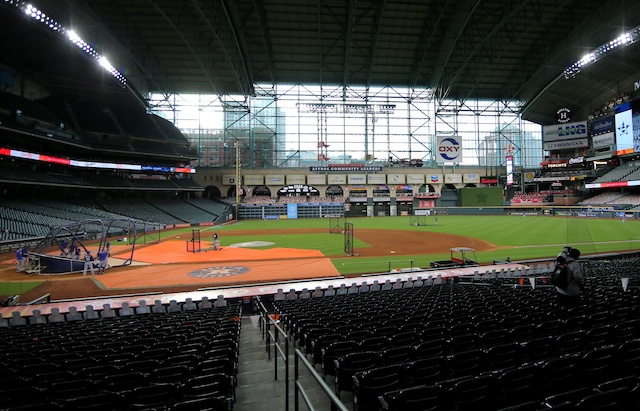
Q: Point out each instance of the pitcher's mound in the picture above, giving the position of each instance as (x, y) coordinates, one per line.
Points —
(249, 244)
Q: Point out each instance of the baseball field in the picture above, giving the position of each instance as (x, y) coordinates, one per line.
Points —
(288, 249)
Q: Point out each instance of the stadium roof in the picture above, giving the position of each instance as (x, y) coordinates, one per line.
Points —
(494, 49)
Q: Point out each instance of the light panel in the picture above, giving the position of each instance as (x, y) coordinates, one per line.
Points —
(40, 17)
(600, 52)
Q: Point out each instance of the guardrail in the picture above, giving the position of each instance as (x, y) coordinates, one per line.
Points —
(266, 320)
(269, 336)
(336, 404)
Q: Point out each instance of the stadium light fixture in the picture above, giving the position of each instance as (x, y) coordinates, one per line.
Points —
(600, 52)
(40, 17)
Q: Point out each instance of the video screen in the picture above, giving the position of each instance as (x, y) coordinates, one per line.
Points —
(627, 125)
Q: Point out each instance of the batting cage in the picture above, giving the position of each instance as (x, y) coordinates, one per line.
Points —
(62, 249)
(194, 245)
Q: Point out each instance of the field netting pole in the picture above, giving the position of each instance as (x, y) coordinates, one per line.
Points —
(348, 239)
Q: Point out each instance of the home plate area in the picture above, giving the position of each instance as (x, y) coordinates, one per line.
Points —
(219, 271)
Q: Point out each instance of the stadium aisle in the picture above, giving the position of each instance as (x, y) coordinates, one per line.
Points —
(257, 389)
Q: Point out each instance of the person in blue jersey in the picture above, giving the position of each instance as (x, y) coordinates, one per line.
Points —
(103, 260)
(20, 259)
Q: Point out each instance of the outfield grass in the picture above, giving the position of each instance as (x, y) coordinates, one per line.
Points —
(520, 238)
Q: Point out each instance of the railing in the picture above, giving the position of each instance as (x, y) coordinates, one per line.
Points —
(265, 323)
(336, 404)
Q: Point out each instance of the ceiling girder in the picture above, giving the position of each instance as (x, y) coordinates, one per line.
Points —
(264, 29)
(464, 9)
(185, 28)
(377, 28)
(220, 18)
(427, 41)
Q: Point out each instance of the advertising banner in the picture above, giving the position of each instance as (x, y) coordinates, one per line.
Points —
(228, 180)
(275, 180)
(253, 180)
(604, 140)
(375, 179)
(471, 178)
(568, 131)
(453, 178)
(316, 179)
(564, 144)
(296, 179)
(448, 149)
(337, 179)
(395, 178)
(357, 179)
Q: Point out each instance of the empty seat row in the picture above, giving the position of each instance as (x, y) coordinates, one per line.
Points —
(555, 380)
(107, 311)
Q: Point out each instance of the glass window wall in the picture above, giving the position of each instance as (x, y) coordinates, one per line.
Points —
(302, 125)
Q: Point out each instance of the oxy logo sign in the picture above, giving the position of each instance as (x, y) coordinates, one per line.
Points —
(449, 149)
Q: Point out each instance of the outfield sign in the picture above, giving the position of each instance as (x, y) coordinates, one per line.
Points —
(395, 178)
(567, 131)
(604, 140)
(253, 179)
(228, 179)
(316, 179)
(292, 210)
(296, 179)
(471, 178)
(345, 167)
(375, 179)
(566, 144)
(449, 149)
(602, 125)
(275, 180)
(453, 178)
(337, 179)
(357, 178)
(415, 178)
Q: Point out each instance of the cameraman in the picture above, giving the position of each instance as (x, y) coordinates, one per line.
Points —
(569, 296)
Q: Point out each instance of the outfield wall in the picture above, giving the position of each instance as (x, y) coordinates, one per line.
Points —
(523, 210)
(311, 210)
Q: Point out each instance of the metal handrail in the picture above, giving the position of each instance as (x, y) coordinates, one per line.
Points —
(336, 404)
(275, 336)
